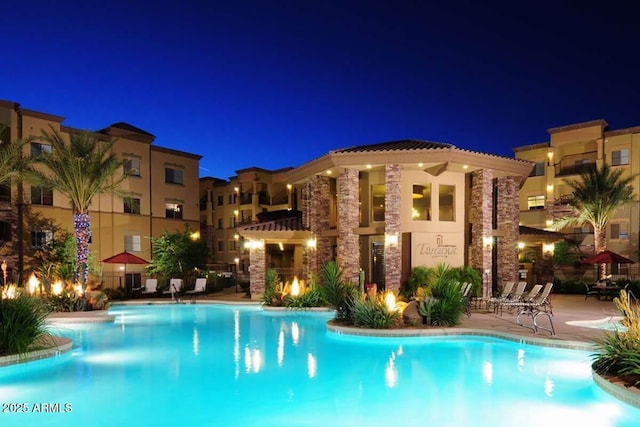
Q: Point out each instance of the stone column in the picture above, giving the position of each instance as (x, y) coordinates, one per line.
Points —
(257, 266)
(392, 248)
(482, 227)
(316, 205)
(508, 215)
(348, 219)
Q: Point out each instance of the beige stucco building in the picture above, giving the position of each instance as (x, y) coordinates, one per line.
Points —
(569, 150)
(381, 209)
(161, 200)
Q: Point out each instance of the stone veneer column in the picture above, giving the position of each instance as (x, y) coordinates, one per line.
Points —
(316, 205)
(392, 251)
(257, 265)
(508, 215)
(482, 226)
(348, 219)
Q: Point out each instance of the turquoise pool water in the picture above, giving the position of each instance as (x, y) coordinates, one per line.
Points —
(216, 365)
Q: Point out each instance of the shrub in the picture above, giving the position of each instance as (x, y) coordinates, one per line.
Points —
(445, 304)
(372, 312)
(420, 277)
(311, 297)
(273, 289)
(619, 352)
(22, 324)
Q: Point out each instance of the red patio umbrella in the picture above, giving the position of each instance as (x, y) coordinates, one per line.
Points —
(125, 258)
(607, 257)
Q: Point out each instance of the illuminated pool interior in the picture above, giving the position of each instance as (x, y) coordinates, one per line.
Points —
(218, 365)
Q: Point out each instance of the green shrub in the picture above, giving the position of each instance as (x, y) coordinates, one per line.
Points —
(273, 290)
(67, 301)
(22, 324)
(445, 304)
(419, 277)
(619, 352)
(373, 313)
(311, 297)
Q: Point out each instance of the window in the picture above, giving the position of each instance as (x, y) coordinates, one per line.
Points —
(5, 232)
(5, 193)
(172, 176)
(421, 209)
(446, 198)
(41, 196)
(173, 210)
(220, 245)
(38, 148)
(619, 231)
(131, 205)
(620, 157)
(231, 245)
(220, 200)
(132, 167)
(219, 223)
(132, 243)
(233, 197)
(535, 202)
(378, 193)
(41, 238)
(538, 169)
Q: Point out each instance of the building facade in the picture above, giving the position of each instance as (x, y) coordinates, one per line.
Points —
(30, 216)
(569, 151)
(379, 210)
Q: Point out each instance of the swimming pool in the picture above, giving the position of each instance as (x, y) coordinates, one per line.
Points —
(217, 365)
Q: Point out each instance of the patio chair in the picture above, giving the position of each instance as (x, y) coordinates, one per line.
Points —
(506, 290)
(515, 296)
(200, 287)
(175, 286)
(591, 291)
(539, 305)
(466, 297)
(150, 287)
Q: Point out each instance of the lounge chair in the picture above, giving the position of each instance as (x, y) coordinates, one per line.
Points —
(495, 301)
(175, 286)
(515, 296)
(150, 287)
(200, 287)
(466, 297)
(539, 305)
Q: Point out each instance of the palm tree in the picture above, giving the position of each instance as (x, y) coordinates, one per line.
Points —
(81, 169)
(595, 198)
(12, 162)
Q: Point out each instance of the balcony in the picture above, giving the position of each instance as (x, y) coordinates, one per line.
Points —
(575, 164)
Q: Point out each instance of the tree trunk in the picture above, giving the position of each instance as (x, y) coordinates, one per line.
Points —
(599, 245)
(82, 229)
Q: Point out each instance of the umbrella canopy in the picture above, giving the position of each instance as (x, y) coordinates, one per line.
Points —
(607, 257)
(125, 258)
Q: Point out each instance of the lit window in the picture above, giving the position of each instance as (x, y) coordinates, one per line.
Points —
(620, 157)
(446, 198)
(378, 193)
(173, 176)
(173, 210)
(132, 243)
(421, 208)
(132, 167)
(535, 202)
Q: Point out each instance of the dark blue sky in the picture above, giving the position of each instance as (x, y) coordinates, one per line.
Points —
(278, 83)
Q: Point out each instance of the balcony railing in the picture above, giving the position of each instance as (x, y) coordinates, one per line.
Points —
(576, 163)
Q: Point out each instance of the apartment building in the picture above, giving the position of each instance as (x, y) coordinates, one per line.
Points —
(568, 152)
(29, 216)
(378, 209)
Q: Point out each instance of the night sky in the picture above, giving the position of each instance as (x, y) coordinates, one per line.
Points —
(278, 83)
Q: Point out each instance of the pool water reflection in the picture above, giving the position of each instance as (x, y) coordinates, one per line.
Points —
(206, 365)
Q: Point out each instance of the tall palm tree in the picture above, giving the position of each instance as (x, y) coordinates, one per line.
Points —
(80, 169)
(595, 198)
(12, 161)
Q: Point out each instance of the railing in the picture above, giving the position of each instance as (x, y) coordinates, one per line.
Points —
(576, 163)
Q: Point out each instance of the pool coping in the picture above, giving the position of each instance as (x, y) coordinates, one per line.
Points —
(63, 345)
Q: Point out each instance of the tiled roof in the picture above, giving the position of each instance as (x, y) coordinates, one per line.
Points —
(405, 144)
(282, 224)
